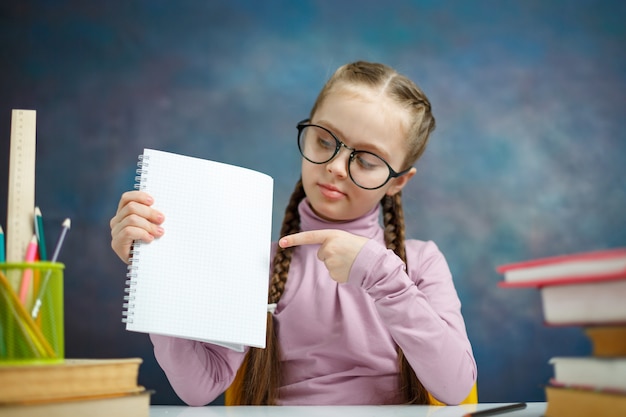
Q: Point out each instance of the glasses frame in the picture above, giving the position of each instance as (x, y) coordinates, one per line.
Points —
(353, 152)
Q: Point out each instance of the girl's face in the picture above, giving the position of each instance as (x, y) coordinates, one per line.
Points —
(363, 120)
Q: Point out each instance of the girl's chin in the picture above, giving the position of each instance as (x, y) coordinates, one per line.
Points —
(325, 214)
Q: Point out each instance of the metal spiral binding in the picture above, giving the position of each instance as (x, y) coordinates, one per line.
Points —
(131, 274)
(129, 305)
(142, 165)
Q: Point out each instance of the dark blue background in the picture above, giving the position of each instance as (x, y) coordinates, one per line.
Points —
(528, 159)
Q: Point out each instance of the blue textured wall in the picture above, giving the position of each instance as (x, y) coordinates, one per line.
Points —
(529, 157)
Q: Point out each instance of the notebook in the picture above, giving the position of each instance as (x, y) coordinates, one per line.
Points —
(207, 277)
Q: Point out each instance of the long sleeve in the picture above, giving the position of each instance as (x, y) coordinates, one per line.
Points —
(198, 372)
(338, 341)
(422, 312)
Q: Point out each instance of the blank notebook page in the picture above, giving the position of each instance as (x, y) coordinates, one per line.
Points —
(207, 277)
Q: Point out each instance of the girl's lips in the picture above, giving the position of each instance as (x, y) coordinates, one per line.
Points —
(330, 192)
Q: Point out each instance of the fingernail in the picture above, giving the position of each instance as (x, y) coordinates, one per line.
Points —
(160, 231)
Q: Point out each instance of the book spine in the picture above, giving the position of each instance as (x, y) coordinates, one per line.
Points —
(131, 275)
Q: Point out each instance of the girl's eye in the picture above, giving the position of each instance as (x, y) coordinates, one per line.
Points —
(326, 142)
(368, 161)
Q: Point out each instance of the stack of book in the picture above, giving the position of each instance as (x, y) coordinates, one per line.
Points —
(89, 387)
(587, 290)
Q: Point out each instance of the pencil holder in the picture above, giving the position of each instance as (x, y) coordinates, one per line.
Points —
(31, 313)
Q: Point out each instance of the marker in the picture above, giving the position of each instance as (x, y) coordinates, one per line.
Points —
(2, 255)
(65, 227)
(497, 410)
(40, 235)
(27, 277)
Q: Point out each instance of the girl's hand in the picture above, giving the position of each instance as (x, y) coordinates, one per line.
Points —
(338, 249)
(134, 220)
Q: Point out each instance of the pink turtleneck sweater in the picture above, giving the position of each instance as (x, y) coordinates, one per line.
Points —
(338, 341)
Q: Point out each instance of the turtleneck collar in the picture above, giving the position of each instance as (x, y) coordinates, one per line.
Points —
(367, 225)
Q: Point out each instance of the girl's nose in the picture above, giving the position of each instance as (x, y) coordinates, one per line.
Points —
(339, 164)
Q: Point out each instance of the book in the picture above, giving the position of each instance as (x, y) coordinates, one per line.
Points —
(595, 373)
(120, 405)
(577, 402)
(207, 277)
(73, 378)
(569, 268)
(607, 341)
(592, 302)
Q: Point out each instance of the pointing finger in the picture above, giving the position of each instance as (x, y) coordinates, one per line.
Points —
(313, 237)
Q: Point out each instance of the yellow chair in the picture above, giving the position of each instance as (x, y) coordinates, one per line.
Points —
(472, 398)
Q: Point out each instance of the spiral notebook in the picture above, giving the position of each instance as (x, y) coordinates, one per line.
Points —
(207, 277)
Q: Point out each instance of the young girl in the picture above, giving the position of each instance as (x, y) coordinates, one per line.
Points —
(363, 316)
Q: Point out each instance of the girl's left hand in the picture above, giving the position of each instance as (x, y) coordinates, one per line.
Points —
(338, 249)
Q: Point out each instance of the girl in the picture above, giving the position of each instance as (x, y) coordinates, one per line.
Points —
(362, 316)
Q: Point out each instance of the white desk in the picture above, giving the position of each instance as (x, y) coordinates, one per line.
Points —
(532, 410)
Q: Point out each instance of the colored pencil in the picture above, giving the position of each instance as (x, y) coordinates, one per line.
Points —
(2, 249)
(27, 277)
(40, 234)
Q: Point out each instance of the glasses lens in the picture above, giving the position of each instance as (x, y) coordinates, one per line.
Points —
(368, 170)
(317, 144)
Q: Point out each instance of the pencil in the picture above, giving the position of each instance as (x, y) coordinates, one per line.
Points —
(497, 410)
(27, 277)
(30, 332)
(40, 234)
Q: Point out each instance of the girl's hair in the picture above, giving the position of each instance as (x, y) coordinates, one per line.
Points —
(384, 79)
(258, 379)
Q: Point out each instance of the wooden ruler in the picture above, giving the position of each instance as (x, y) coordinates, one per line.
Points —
(21, 198)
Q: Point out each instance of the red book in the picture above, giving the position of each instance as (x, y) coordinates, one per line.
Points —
(578, 289)
(566, 269)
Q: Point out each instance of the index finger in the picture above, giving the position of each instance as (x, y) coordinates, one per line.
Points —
(138, 196)
(311, 237)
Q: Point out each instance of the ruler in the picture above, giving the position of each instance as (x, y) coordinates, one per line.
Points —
(21, 198)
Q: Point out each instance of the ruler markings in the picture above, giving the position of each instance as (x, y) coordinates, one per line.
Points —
(21, 197)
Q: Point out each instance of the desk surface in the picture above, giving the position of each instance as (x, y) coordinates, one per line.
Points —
(532, 410)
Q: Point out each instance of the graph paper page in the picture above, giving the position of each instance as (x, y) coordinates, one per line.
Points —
(207, 277)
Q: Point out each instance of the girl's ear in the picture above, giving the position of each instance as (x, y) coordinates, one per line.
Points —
(399, 183)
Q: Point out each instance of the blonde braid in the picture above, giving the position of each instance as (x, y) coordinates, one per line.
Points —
(393, 219)
(411, 388)
(258, 379)
(282, 259)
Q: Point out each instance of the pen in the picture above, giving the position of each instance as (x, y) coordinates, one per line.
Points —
(55, 255)
(27, 277)
(40, 235)
(497, 410)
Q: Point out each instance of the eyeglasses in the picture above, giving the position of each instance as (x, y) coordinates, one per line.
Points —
(366, 169)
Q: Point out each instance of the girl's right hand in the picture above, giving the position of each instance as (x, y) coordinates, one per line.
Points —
(134, 220)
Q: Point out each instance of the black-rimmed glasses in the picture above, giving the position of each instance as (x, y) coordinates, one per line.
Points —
(366, 169)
